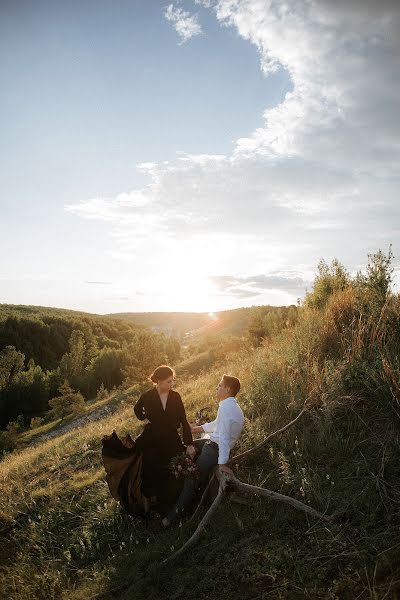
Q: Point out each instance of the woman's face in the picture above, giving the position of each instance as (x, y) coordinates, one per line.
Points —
(166, 384)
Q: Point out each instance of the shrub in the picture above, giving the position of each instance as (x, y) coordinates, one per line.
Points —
(68, 403)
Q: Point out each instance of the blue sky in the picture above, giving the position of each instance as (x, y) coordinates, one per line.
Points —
(253, 142)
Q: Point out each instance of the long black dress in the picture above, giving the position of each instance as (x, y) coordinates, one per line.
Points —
(136, 467)
(160, 440)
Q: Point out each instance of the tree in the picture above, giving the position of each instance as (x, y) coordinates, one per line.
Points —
(11, 364)
(69, 402)
(72, 363)
(374, 287)
(330, 278)
(105, 368)
(146, 352)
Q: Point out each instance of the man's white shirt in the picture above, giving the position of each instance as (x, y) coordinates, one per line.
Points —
(226, 428)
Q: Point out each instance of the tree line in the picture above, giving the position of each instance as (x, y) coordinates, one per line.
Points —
(43, 350)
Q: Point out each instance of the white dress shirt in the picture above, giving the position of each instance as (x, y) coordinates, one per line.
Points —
(226, 428)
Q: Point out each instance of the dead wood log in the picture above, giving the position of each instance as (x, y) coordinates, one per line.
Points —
(196, 512)
(229, 481)
(203, 523)
(240, 457)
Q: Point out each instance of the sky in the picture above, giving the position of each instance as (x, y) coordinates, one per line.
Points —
(195, 155)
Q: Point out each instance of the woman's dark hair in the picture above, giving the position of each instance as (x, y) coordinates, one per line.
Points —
(232, 383)
(162, 372)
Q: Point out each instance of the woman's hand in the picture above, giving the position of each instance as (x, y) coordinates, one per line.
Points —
(144, 422)
(191, 451)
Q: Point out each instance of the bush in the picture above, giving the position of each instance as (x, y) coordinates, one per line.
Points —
(36, 422)
(69, 403)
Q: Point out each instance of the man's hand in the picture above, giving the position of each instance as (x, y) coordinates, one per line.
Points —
(191, 451)
(225, 469)
(196, 429)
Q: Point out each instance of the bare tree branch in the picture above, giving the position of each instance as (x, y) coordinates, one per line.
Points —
(203, 523)
(229, 480)
(196, 512)
(240, 457)
(253, 489)
(243, 455)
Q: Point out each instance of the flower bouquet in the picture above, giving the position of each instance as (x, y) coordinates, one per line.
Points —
(202, 416)
(183, 466)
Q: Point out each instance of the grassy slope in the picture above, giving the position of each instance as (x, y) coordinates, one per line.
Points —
(64, 536)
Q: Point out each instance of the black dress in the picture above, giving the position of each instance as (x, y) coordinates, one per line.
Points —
(160, 439)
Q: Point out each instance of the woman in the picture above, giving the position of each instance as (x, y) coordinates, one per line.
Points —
(162, 413)
(137, 470)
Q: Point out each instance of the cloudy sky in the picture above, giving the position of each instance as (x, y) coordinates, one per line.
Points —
(197, 155)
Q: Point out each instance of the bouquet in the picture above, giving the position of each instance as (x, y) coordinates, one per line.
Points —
(202, 416)
(184, 466)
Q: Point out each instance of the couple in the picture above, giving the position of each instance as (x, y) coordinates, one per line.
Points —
(138, 471)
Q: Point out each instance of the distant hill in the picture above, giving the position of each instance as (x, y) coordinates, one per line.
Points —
(172, 323)
(27, 310)
(184, 325)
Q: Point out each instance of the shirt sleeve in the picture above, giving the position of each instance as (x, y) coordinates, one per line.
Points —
(139, 408)
(224, 435)
(209, 427)
(187, 432)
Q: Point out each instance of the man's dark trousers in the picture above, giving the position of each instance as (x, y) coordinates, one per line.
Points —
(206, 460)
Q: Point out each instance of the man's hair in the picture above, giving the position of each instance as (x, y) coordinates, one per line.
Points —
(232, 383)
(162, 372)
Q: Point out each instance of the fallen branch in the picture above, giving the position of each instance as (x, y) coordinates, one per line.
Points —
(253, 489)
(245, 454)
(203, 523)
(203, 497)
(240, 457)
(229, 480)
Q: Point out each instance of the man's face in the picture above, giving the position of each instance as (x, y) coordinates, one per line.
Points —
(223, 391)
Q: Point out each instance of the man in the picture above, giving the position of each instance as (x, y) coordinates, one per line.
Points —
(223, 434)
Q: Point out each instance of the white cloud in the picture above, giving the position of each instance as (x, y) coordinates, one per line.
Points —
(252, 286)
(186, 25)
(319, 179)
(343, 61)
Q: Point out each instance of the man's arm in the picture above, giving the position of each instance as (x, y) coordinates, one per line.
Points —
(207, 427)
(224, 448)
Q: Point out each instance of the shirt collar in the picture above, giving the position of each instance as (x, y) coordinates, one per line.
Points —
(227, 400)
